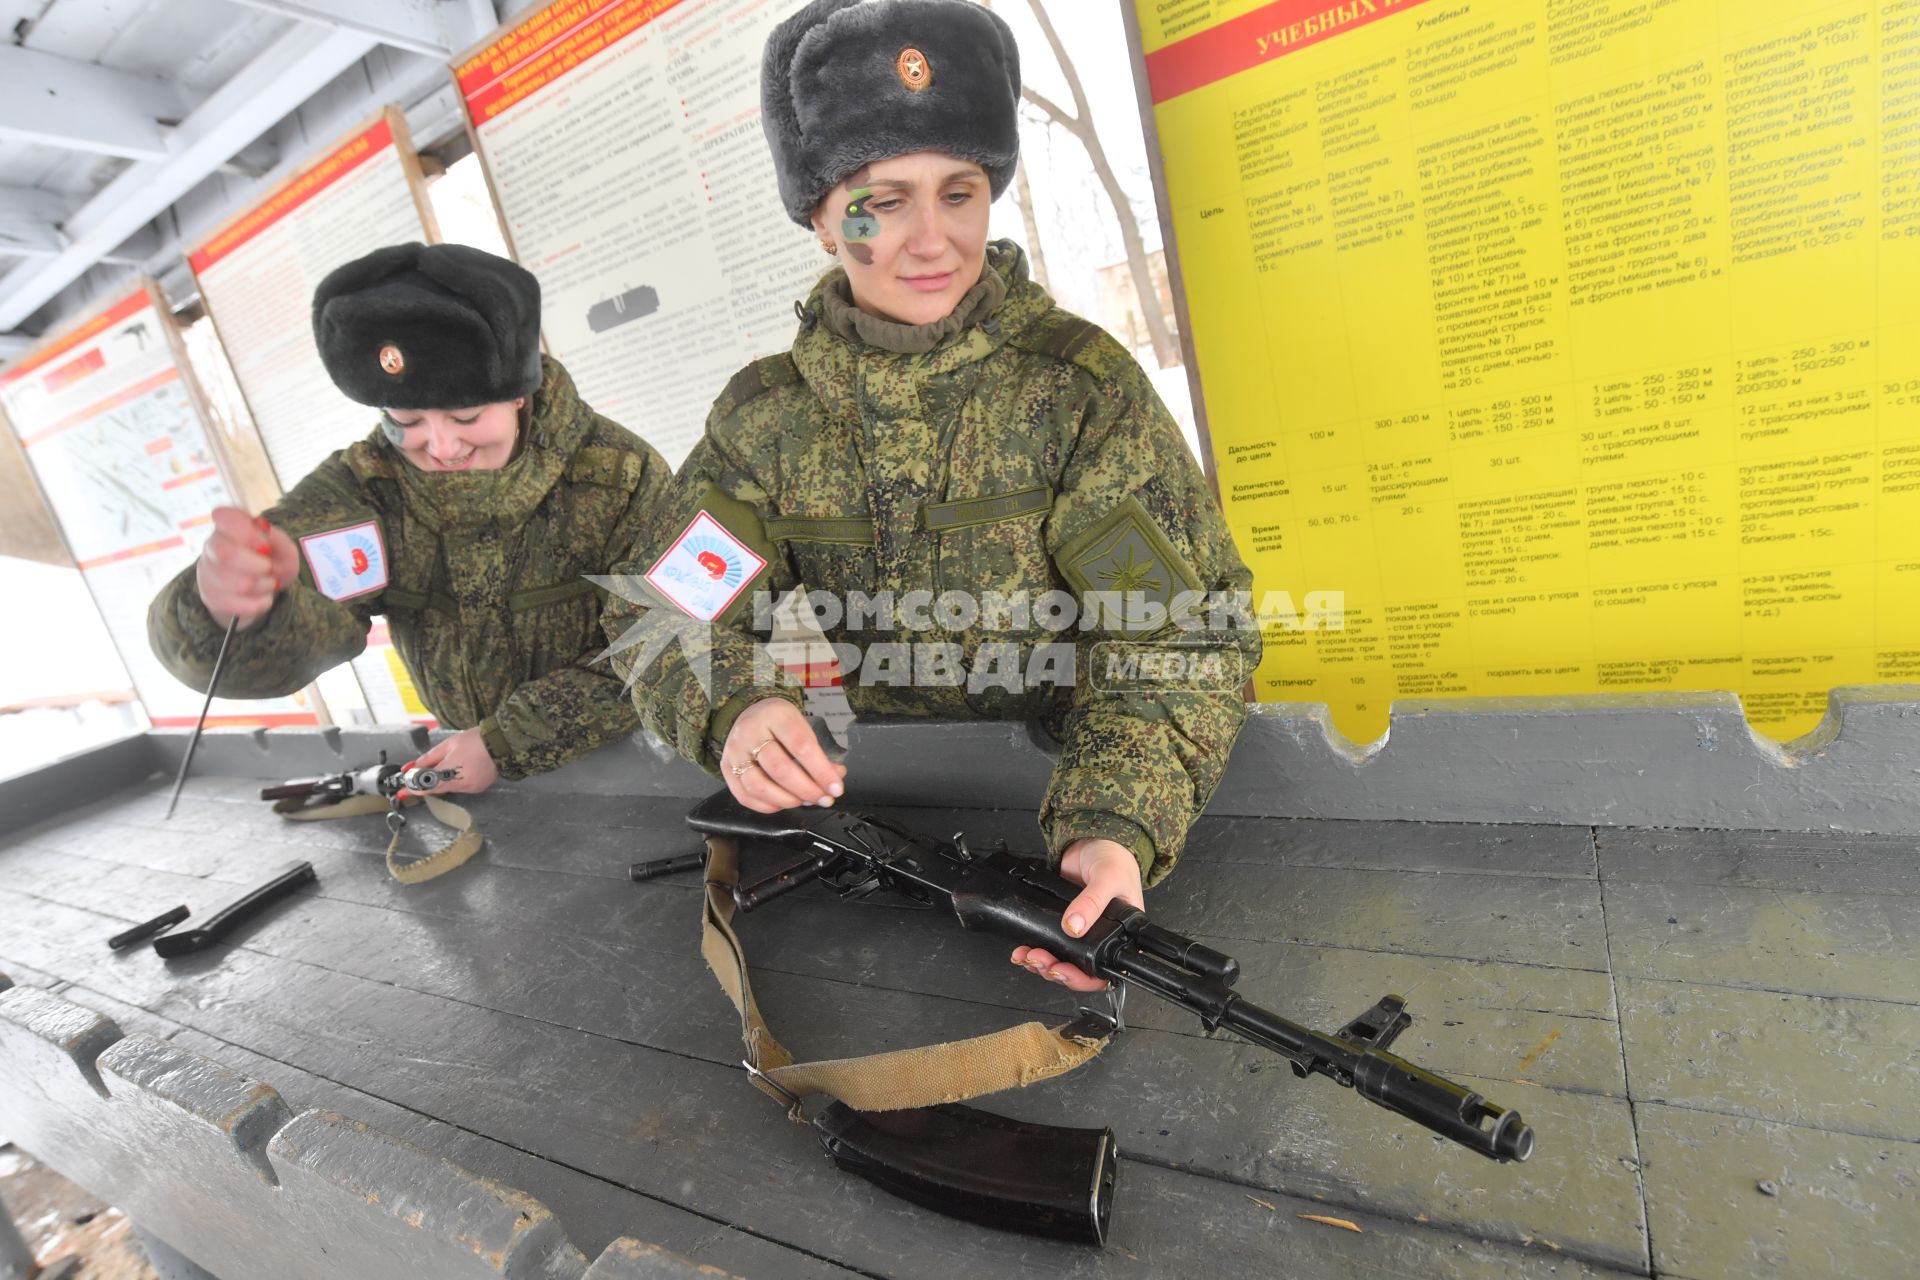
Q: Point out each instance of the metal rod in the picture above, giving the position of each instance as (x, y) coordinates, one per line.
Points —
(199, 726)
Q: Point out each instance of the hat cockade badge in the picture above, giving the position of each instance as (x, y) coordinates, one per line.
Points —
(915, 72)
(392, 361)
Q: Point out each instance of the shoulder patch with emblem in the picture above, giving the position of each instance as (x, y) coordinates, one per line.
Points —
(348, 562)
(705, 569)
(1125, 551)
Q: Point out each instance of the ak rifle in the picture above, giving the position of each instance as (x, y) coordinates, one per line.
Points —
(383, 780)
(1021, 900)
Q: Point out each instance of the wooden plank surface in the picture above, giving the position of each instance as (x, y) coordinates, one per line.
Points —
(1184, 1101)
(616, 966)
(1652, 1001)
(1732, 1196)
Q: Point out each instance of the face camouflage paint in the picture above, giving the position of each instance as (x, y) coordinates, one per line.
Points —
(395, 433)
(858, 225)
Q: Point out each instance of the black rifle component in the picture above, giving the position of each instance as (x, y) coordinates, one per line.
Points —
(1021, 900)
(187, 941)
(667, 866)
(1043, 1179)
(146, 929)
(383, 780)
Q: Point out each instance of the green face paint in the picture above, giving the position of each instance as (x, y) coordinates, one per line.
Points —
(859, 225)
(395, 433)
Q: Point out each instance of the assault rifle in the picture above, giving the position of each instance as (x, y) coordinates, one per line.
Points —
(1020, 900)
(383, 780)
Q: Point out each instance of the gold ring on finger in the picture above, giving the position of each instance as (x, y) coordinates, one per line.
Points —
(754, 755)
(740, 770)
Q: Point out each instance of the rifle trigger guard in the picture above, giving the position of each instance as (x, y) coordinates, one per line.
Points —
(1092, 1024)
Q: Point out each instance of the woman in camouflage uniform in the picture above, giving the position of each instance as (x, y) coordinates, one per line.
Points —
(939, 433)
(468, 527)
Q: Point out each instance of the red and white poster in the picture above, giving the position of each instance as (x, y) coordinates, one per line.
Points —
(115, 437)
(623, 142)
(257, 276)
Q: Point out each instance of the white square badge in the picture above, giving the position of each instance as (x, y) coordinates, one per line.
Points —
(347, 562)
(705, 569)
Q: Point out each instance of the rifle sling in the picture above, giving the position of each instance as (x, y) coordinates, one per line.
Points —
(921, 1077)
(465, 843)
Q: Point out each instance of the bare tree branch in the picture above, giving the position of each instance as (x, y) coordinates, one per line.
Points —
(1080, 124)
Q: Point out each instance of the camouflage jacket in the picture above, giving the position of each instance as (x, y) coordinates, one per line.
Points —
(1024, 453)
(485, 599)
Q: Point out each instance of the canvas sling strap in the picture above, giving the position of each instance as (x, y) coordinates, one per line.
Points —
(921, 1077)
(465, 843)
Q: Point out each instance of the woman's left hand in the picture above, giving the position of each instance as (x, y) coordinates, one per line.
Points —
(467, 752)
(1109, 870)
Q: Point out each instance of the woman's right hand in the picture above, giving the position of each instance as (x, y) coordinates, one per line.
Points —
(244, 564)
(771, 760)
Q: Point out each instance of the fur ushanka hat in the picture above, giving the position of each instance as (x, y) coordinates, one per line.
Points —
(847, 82)
(429, 326)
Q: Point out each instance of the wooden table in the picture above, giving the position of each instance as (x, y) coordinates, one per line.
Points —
(1714, 1034)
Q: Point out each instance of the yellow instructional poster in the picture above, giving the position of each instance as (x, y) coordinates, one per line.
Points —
(1575, 343)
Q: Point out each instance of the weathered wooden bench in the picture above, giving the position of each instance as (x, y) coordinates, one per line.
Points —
(1626, 918)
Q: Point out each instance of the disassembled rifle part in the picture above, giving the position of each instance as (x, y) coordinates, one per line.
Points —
(148, 928)
(235, 913)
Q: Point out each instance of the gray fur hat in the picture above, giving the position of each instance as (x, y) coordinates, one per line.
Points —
(847, 82)
(429, 326)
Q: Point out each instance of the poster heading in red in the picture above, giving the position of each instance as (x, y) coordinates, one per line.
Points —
(91, 329)
(296, 191)
(545, 47)
(1253, 39)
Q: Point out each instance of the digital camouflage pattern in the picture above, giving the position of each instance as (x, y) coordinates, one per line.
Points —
(853, 467)
(486, 598)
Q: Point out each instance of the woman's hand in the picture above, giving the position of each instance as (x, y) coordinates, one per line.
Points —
(243, 565)
(771, 760)
(1109, 870)
(465, 751)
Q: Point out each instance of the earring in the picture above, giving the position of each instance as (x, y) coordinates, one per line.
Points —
(830, 247)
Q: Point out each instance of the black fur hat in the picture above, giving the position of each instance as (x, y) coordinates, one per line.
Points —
(429, 326)
(846, 82)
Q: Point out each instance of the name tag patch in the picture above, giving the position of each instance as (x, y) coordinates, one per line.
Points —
(347, 562)
(705, 569)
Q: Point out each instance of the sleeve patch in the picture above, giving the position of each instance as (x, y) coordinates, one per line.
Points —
(347, 562)
(706, 569)
(1125, 551)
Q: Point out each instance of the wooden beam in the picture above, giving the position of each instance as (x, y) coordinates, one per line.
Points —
(79, 106)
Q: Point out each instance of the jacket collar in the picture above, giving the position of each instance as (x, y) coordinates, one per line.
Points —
(834, 348)
(559, 425)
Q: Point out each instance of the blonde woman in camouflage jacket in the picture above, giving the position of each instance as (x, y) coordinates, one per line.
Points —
(470, 528)
(940, 433)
